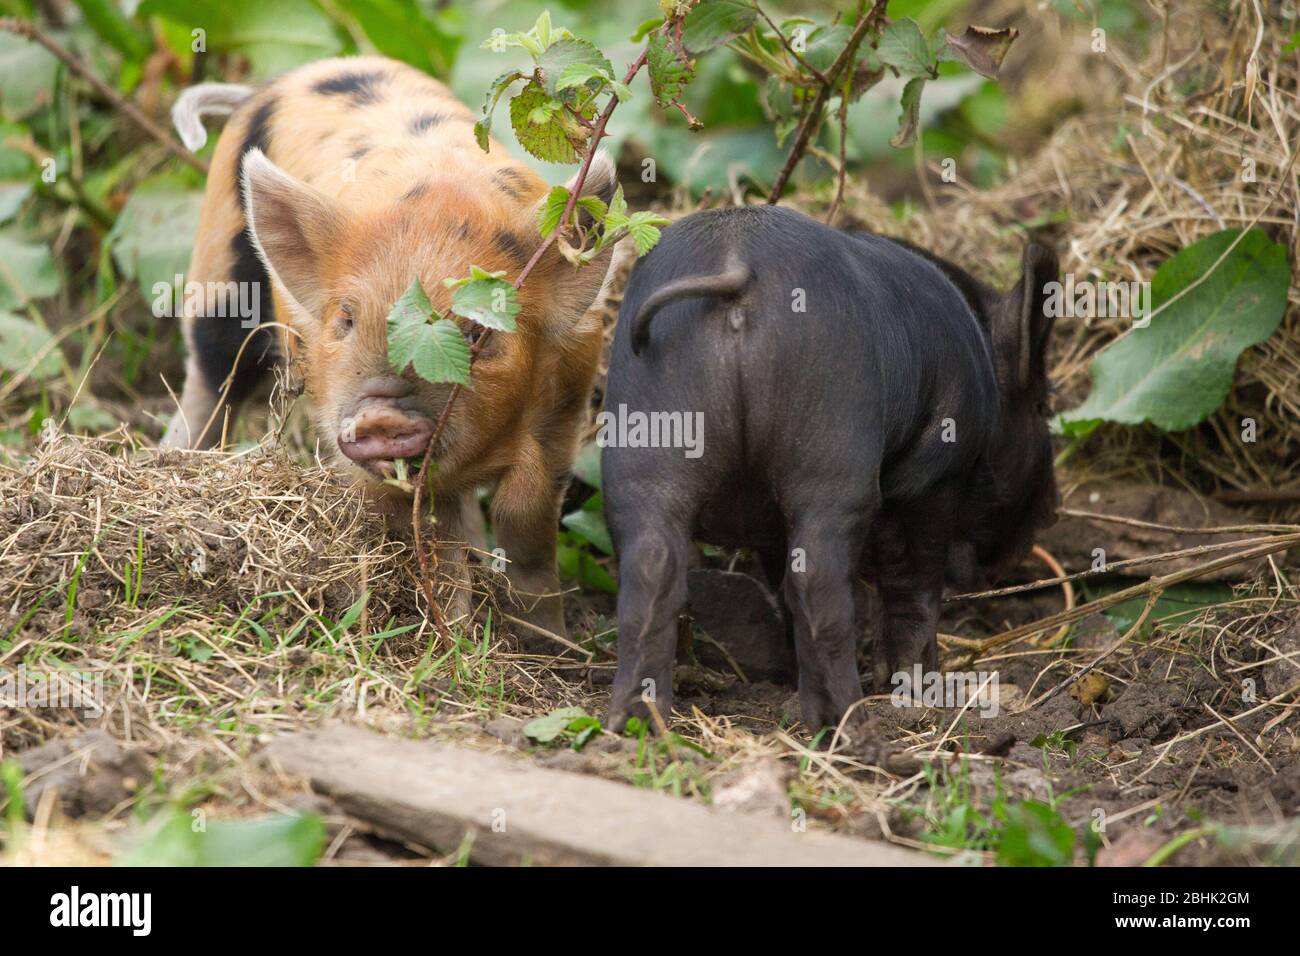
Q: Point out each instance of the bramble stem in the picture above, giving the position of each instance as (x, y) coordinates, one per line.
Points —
(597, 134)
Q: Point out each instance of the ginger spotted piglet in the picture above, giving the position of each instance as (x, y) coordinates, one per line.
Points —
(331, 189)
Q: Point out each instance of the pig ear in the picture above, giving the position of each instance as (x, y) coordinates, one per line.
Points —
(292, 227)
(1023, 324)
(573, 290)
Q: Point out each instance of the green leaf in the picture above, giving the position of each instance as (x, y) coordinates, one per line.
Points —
(427, 37)
(644, 27)
(548, 216)
(436, 350)
(546, 729)
(114, 29)
(12, 197)
(483, 128)
(643, 227)
(26, 74)
(491, 302)
(903, 46)
(275, 35)
(557, 140)
(568, 59)
(21, 340)
(715, 22)
(1178, 370)
(586, 465)
(27, 271)
(1035, 835)
(261, 841)
(590, 527)
(153, 236)
(911, 118)
(668, 74)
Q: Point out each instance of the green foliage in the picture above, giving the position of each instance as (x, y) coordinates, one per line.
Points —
(179, 838)
(1034, 834)
(670, 70)
(485, 298)
(27, 270)
(419, 336)
(1178, 369)
(1018, 833)
(153, 236)
(712, 24)
(274, 35)
(21, 341)
(565, 723)
(26, 76)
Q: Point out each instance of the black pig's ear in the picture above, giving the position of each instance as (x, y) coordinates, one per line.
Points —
(1022, 322)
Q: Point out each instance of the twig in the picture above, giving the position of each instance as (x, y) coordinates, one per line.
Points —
(1162, 583)
(812, 119)
(30, 31)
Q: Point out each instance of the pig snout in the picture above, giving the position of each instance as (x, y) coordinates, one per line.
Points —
(380, 427)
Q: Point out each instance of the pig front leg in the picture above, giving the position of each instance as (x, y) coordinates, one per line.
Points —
(525, 514)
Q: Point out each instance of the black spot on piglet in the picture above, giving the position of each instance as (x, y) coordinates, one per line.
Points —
(425, 122)
(361, 88)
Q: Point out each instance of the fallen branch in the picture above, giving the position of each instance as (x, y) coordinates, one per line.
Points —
(1161, 583)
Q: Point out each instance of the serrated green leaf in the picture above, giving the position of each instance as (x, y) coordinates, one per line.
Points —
(483, 128)
(669, 76)
(1175, 372)
(491, 302)
(548, 215)
(443, 356)
(437, 351)
(903, 46)
(559, 140)
(645, 235)
(566, 58)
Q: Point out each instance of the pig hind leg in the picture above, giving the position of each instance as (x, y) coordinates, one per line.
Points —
(652, 551)
(827, 539)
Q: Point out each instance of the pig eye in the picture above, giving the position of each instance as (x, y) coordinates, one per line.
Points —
(345, 322)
